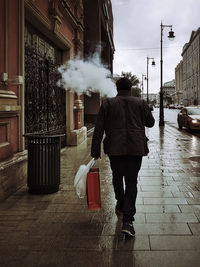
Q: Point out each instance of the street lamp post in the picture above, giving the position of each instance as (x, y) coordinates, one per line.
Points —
(170, 36)
(143, 76)
(147, 77)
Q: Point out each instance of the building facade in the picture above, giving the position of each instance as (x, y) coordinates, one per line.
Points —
(152, 98)
(191, 70)
(169, 92)
(37, 37)
(98, 38)
(179, 83)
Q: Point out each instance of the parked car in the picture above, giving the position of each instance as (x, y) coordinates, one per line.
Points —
(189, 117)
(179, 106)
(171, 106)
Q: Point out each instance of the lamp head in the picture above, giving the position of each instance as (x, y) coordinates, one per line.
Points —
(153, 63)
(171, 35)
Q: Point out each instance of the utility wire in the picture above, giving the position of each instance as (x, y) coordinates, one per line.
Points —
(150, 48)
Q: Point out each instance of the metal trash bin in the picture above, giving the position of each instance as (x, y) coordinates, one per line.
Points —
(43, 163)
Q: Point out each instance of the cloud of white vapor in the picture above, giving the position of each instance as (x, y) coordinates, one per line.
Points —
(86, 77)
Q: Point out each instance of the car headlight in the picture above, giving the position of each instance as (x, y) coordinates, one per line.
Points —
(194, 121)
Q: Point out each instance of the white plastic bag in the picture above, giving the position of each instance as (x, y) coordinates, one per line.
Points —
(81, 177)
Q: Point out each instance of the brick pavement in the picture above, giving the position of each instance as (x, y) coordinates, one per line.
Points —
(59, 230)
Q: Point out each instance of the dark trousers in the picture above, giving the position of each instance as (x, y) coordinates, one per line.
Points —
(126, 167)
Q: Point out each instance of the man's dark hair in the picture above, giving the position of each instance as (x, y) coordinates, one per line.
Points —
(123, 84)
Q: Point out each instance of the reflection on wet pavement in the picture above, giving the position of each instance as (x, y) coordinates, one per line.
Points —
(59, 230)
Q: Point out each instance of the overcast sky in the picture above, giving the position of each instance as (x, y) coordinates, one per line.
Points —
(137, 35)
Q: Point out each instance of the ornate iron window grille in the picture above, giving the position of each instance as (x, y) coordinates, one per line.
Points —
(45, 102)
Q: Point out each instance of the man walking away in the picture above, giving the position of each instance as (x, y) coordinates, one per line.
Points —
(123, 119)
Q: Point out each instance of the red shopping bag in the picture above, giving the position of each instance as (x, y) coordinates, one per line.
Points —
(93, 189)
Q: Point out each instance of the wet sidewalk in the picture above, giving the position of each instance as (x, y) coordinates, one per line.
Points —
(59, 230)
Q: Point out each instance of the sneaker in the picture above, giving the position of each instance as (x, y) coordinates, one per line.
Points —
(128, 229)
(118, 210)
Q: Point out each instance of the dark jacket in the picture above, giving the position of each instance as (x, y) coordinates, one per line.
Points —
(123, 119)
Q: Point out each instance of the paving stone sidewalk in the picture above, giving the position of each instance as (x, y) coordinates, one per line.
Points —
(59, 230)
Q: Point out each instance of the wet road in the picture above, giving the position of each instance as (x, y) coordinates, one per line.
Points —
(59, 230)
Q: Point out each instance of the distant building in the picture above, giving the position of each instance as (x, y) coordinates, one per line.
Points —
(158, 98)
(169, 92)
(179, 83)
(152, 97)
(191, 69)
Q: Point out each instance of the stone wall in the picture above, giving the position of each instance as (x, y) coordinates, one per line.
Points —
(13, 174)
